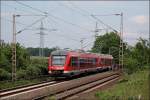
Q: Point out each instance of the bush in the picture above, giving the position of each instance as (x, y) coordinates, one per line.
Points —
(42, 64)
(33, 71)
(131, 65)
(4, 75)
(21, 74)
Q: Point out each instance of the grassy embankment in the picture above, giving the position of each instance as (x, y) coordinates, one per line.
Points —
(9, 84)
(130, 87)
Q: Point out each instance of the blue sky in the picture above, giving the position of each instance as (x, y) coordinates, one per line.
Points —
(73, 21)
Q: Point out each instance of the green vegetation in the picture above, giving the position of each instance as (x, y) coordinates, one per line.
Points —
(134, 56)
(35, 51)
(29, 69)
(130, 87)
(107, 44)
(27, 66)
(134, 84)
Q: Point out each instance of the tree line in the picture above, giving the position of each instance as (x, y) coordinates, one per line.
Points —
(135, 57)
(26, 65)
(35, 51)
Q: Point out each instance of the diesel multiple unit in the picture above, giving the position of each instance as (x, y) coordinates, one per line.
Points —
(64, 62)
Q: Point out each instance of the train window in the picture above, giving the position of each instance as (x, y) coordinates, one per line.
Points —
(74, 61)
(94, 61)
(58, 60)
(84, 62)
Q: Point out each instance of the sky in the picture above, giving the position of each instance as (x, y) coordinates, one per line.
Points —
(72, 21)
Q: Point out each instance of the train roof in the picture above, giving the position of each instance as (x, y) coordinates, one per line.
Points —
(59, 52)
(65, 52)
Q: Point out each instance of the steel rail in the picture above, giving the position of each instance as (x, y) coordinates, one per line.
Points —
(22, 86)
(56, 88)
(26, 88)
(85, 87)
(80, 88)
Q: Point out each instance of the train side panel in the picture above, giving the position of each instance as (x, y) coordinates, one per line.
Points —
(76, 63)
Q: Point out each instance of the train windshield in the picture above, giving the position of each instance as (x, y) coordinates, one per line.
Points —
(58, 60)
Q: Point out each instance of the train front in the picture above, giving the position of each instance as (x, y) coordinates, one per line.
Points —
(57, 62)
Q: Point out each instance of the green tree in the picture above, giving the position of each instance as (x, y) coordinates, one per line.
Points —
(23, 57)
(5, 57)
(35, 51)
(135, 58)
(142, 52)
(108, 44)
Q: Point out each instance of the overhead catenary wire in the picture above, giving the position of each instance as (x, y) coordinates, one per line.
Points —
(56, 22)
(70, 38)
(46, 15)
(104, 23)
(67, 22)
(93, 16)
(84, 11)
(56, 17)
(31, 7)
(72, 9)
(88, 44)
(26, 28)
(21, 10)
(18, 22)
(12, 21)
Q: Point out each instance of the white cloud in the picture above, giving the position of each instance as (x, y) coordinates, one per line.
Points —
(141, 19)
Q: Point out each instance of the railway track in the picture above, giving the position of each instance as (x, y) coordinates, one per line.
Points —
(61, 89)
(69, 93)
(24, 88)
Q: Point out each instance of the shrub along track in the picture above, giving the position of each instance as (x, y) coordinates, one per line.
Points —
(61, 89)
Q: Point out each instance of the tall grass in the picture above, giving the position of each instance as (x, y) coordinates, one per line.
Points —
(131, 87)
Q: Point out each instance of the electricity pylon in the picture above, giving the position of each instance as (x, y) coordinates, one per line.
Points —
(42, 29)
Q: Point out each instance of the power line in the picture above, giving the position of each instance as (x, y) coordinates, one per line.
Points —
(20, 10)
(35, 28)
(64, 35)
(104, 23)
(31, 25)
(41, 51)
(88, 44)
(94, 16)
(56, 23)
(77, 40)
(17, 23)
(87, 13)
(63, 20)
(53, 16)
(83, 10)
(31, 7)
(12, 21)
(72, 9)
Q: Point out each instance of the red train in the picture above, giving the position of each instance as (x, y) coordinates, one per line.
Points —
(64, 62)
